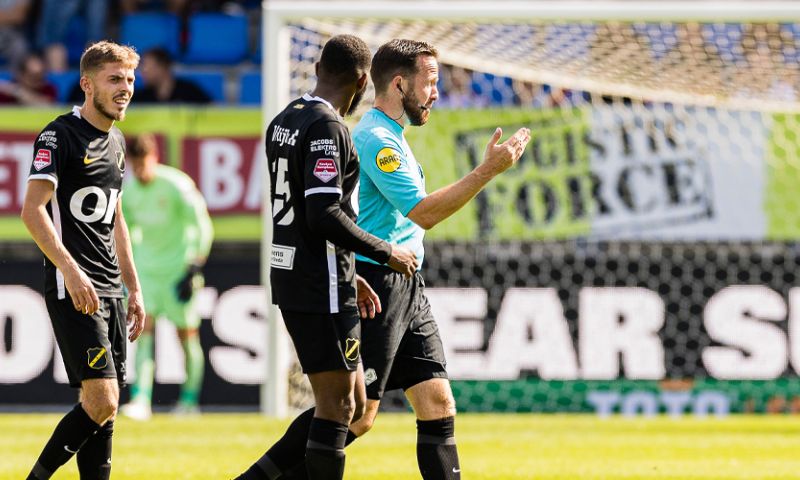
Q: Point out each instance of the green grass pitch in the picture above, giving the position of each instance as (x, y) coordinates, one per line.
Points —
(219, 446)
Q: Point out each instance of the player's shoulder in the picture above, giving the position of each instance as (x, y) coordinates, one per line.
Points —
(56, 133)
(176, 177)
(61, 123)
(172, 174)
(118, 135)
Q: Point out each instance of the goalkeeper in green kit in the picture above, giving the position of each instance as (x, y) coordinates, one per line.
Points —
(171, 235)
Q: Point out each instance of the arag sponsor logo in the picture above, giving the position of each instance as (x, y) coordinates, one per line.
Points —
(620, 172)
(388, 160)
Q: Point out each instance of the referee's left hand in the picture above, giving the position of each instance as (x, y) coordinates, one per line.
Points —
(367, 300)
(136, 315)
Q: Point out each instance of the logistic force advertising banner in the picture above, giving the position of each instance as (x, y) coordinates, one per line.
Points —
(603, 172)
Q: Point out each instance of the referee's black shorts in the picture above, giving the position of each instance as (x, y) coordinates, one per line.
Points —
(93, 346)
(325, 341)
(401, 346)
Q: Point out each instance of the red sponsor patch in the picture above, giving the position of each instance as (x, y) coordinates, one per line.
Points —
(325, 169)
(43, 159)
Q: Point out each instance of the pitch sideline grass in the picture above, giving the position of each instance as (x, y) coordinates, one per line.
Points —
(219, 446)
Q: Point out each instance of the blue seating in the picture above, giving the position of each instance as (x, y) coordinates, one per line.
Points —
(726, 39)
(216, 38)
(498, 89)
(75, 39)
(146, 31)
(213, 83)
(64, 83)
(250, 88)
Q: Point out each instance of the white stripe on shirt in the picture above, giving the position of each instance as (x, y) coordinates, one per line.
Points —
(312, 191)
(57, 224)
(333, 278)
(44, 176)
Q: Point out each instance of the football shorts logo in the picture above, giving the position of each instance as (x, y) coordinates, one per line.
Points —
(370, 376)
(97, 358)
(325, 169)
(351, 349)
(43, 159)
(388, 160)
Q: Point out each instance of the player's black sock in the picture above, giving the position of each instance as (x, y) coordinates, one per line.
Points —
(437, 454)
(325, 450)
(287, 452)
(298, 472)
(68, 437)
(94, 457)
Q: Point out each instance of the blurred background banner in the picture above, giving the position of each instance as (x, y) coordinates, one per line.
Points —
(620, 268)
(527, 326)
(591, 172)
(640, 258)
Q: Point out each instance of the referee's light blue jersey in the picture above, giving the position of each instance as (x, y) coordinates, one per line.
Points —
(392, 183)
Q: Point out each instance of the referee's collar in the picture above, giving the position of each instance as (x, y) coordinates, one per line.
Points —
(393, 126)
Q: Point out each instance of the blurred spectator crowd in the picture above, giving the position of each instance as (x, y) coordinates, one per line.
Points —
(193, 51)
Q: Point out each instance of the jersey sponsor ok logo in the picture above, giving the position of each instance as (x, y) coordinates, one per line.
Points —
(103, 209)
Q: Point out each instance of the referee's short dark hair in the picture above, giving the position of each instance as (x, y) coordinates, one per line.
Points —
(398, 57)
(344, 59)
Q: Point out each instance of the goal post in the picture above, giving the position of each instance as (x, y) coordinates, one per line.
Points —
(684, 83)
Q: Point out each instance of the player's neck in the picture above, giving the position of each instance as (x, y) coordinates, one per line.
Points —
(95, 118)
(338, 99)
(395, 112)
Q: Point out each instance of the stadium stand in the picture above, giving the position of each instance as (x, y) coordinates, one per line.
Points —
(250, 88)
(149, 30)
(212, 82)
(216, 38)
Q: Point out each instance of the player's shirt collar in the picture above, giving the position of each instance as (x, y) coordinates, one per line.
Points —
(308, 98)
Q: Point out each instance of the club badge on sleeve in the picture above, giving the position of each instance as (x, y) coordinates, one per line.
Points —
(43, 159)
(325, 169)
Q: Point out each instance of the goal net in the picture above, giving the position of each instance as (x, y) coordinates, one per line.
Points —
(644, 247)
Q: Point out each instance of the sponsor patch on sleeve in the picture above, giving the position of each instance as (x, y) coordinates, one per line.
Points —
(325, 169)
(388, 160)
(43, 159)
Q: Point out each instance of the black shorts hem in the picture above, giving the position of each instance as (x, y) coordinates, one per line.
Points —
(79, 384)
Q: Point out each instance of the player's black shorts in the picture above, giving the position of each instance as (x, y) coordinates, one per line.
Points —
(401, 346)
(93, 346)
(325, 341)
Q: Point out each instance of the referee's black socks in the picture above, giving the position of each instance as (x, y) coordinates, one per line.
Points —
(69, 436)
(437, 454)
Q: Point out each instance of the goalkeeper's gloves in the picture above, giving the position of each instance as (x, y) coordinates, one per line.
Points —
(190, 282)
